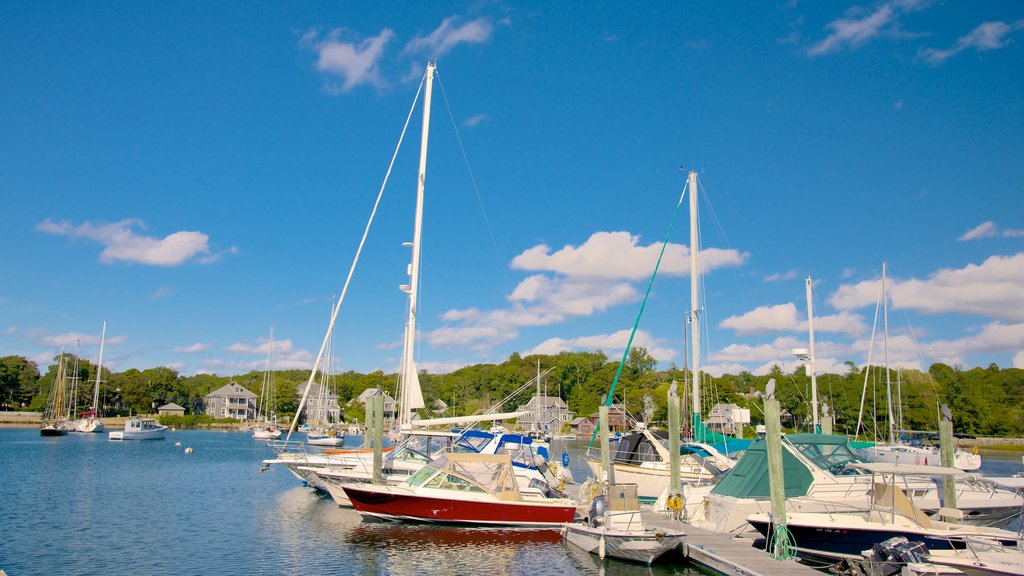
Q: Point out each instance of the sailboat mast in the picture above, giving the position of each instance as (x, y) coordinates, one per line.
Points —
(99, 373)
(410, 396)
(810, 359)
(885, 358)
(695, 303)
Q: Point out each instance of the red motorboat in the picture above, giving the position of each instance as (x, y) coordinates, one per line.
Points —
(465, 488)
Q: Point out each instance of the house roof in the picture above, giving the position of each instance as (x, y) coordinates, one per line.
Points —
(171, 406)
(231, 390)
(579, 420)
(370, 392)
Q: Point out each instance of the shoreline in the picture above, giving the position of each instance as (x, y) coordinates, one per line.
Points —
(32, 420)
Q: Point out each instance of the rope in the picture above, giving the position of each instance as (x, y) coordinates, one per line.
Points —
(352, 269)
(636, 323)
(781, 544)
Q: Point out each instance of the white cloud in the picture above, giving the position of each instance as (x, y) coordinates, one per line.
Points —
(853, 31)
(449, 35)
(356, 62)
(474, 120)
(983, 230)
(191, 348)
(990, 289)
(618, 255)
(986, 36)
(261, 347)
(858, 26)
(989, 230)
(784, 317)
(122, 243)
(1018, 360)
(789, 275)
(612, 344)
(764, 319)
(577, 282)
(161, 292)
(70, 339)
(441, 367)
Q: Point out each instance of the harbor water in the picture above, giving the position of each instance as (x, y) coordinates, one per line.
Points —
(84, 505)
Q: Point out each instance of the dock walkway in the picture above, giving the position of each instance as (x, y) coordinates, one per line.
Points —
(727, 555)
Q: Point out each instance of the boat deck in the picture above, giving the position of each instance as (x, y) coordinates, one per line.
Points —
(727, 555)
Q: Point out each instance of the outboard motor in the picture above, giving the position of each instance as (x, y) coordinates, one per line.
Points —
(598, 508)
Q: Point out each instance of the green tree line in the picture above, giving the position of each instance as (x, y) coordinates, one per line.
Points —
(984, 401)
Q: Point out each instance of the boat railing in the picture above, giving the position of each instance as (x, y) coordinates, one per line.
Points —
(292, 446)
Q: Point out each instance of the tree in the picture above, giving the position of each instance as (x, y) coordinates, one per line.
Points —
(18, 379)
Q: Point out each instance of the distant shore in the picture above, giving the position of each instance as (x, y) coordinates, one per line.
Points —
(32, 420)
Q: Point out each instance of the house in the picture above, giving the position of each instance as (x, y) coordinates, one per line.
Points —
(545, 414)
(440, 406)
(171, 409)
(390, 406)
(231, 401)
(583, 427)
(727, 418)
(319, 402)
(616, 418)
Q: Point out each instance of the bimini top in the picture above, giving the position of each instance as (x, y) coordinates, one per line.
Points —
(749, 478)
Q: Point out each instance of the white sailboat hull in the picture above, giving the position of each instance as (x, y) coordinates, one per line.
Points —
(88, 426)
(919, 456)
(637, 546)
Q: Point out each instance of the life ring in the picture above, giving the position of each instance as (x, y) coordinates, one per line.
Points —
(674, 503)
(330, 433)
(974, 449)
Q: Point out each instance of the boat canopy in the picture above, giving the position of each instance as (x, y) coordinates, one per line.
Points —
(749, 478)
(466, 471)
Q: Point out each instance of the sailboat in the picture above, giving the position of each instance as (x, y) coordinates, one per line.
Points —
(55, 417)
(321, 431)
(410, 396)
(266, 415)
(642, 457)
(90, 421)
(898, 451)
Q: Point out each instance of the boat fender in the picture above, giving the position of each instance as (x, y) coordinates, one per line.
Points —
(600, 548)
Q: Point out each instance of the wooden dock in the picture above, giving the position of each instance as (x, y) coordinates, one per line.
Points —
(727, 555)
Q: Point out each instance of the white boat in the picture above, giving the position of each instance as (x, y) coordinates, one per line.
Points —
(90, 421)
(897, 451)
(845, 529)
(139, 429)
(614, 528)
(817, 478)
(642, 458)
(266, 427)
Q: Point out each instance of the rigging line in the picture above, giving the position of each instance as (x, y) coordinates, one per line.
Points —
(472, 178)
(867, 367)
(725, 238)
(636, 324)
(352, 269)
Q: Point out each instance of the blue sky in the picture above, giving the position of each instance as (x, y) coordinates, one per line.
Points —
(195, 173)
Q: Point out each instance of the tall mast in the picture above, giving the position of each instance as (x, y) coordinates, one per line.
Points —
(885, 358)
(99, 373)
(410, 396)
(810, 359)
(695, 304)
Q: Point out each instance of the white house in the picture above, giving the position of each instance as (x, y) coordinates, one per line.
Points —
(231, 401)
